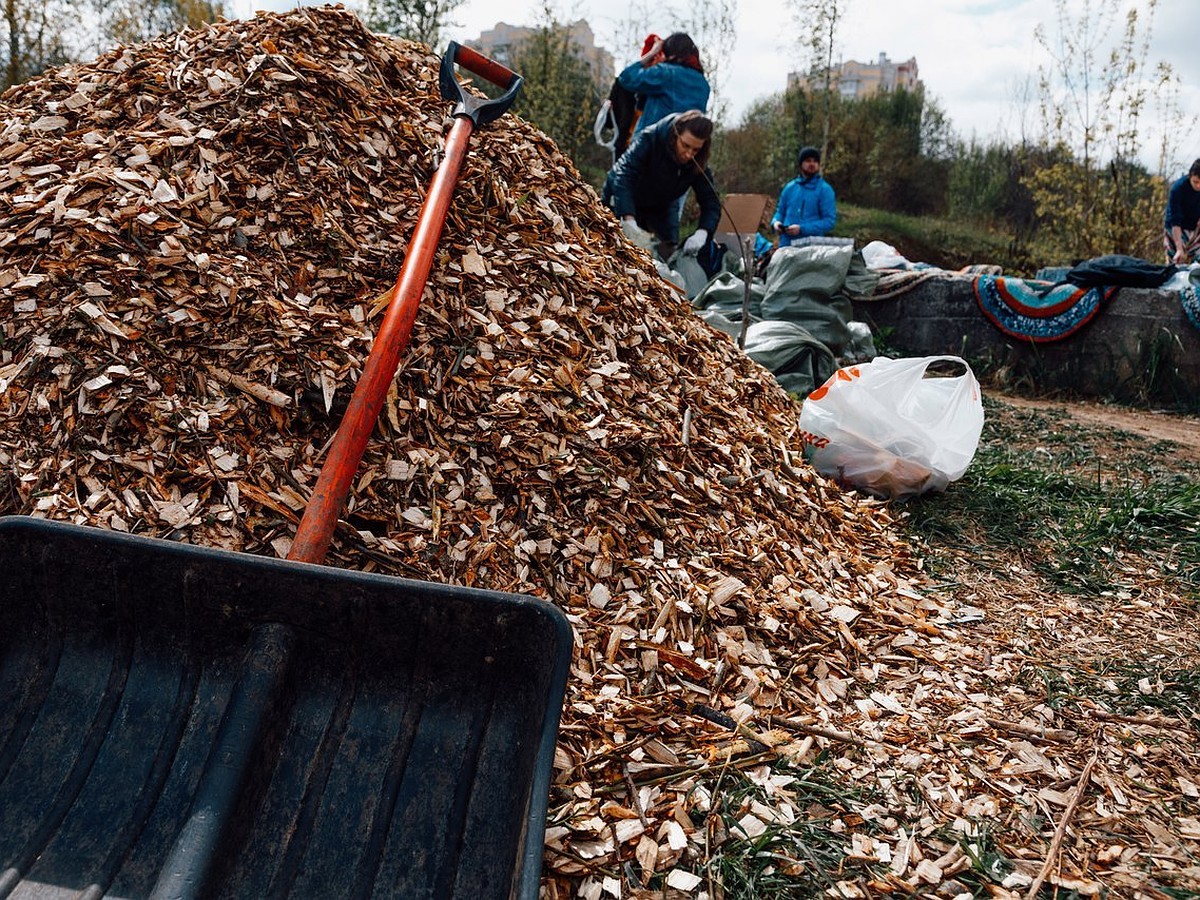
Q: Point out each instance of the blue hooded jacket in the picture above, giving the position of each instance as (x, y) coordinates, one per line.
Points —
(667, 88)
(809, 203)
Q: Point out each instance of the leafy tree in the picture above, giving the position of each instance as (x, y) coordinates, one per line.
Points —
(980, 186)
(892, 149)
(561, 93)
(759, 156)
(416, 20)
(938, 140)
(135, 21)
(33, 37)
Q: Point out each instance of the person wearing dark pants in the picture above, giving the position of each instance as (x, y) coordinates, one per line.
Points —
(663, 163)
(1181, 224)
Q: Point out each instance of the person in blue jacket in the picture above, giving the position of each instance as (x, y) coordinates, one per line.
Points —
(662, 164)
(806, 206)
(1181, 224)
(668, 79)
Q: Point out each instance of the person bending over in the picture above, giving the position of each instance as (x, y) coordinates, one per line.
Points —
(662, 164)
(1181, 225)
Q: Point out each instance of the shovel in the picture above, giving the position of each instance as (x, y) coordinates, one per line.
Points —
(181, 722)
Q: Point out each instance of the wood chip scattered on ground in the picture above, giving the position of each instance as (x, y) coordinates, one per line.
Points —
(195, 237)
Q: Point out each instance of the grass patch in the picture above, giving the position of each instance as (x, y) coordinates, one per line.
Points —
(806, 859)
(987, 864)
(795, 861)
(1070, 502)
(1124, 687)
(939, 242)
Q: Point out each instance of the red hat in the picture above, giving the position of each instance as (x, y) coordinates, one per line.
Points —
(648, 43)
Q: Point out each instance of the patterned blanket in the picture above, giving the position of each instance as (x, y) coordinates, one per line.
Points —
(1035, 310)
(1191, 305)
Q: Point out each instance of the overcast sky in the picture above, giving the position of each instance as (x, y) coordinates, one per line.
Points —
(972, 55)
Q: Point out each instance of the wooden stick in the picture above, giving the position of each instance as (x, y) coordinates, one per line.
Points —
(757, 742)
(1151, 721)
(634, 800)
(668, 773)
(258, 391)
(1060, 735)
(1061, 831)
(802, 728)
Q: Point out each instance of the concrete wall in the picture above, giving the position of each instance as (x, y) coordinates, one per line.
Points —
(1139, 347)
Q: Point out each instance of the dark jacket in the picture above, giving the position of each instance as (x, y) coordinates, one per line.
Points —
(647, 180)
(1183, 206)
(626, 109)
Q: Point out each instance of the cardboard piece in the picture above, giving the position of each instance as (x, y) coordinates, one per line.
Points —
(741, 213)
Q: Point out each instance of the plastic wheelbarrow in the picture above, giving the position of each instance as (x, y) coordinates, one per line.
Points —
(181, 722)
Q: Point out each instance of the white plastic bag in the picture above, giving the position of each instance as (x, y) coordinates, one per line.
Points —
(885, 428)
(878, 255)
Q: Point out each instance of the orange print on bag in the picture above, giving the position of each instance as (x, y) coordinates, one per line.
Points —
(813, 440)
(847, 374)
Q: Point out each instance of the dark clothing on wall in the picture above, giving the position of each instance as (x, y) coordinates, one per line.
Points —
(647, 180)
(1118, 270)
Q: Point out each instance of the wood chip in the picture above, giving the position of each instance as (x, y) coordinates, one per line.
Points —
(197, 237)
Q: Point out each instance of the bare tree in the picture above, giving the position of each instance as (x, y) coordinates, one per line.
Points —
(1095, 86)
(1172, 124)
(817, 22)
(710, 23)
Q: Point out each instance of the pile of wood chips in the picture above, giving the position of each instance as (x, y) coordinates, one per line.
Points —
(195, 238)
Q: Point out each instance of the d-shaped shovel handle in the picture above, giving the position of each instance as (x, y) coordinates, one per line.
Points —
(346, 449)
(479, 110)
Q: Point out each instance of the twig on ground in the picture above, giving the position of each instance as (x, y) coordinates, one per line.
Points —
(1059, 735)
(1061, 831)
(802, 728)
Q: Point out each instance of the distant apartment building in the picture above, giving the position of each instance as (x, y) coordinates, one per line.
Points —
(854, 80)
(500, 42)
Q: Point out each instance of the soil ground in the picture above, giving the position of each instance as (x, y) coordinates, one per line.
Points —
(1155, 425)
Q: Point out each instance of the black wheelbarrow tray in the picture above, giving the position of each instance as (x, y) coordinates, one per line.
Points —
(177, 722)
(152, 745)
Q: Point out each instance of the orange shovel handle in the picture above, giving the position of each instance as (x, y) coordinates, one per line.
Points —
(317, 525)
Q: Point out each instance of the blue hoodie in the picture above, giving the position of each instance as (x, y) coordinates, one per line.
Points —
(667, 88)
(809, 203)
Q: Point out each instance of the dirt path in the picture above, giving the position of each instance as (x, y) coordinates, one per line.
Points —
(1160, 426)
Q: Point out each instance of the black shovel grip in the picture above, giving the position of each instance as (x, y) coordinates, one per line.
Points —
(479, 109)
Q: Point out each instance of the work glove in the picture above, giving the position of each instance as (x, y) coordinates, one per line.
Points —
(635, 234)
(693, 244)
